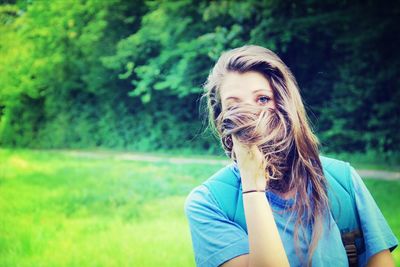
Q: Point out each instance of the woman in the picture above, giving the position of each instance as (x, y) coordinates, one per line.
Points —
(256, 110)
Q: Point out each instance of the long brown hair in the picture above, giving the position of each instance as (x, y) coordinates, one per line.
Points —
(283, 134)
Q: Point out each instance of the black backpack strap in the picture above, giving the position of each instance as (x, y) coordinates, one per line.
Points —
(349, 242)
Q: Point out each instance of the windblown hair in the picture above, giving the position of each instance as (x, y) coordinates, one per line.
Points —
(282, 134)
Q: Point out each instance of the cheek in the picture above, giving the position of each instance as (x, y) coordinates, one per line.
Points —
(272, 104)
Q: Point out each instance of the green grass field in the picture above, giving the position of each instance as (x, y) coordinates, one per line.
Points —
(59, 209)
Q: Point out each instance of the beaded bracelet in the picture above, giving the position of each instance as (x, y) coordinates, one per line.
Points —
(249, 191)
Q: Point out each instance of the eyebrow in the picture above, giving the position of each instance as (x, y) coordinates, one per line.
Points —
(255, 91)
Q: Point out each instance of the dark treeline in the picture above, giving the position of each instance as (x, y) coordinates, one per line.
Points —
(128, 74)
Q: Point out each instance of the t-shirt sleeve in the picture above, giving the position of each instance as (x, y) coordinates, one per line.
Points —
(215, 238)
(377, 234)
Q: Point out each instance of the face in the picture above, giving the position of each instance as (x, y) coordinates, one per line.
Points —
(250, 87)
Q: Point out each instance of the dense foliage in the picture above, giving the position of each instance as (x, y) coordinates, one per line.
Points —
(128, 74)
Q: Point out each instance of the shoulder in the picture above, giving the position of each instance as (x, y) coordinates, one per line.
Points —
(377, 233)
(331, 163)
(201, 194)
(197, 196)
(337, 171)
(208, 195)
(215, 237)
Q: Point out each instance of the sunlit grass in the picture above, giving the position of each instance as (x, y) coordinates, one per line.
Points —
(58, 209)
(63, 210)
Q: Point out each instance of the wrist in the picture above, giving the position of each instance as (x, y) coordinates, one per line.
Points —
(253, 179)
(253, 191)
(260, 184)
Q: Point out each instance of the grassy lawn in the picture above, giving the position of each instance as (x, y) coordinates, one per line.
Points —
(58, 209)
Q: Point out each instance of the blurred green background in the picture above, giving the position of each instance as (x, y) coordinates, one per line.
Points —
(64, 208)
(120, 76)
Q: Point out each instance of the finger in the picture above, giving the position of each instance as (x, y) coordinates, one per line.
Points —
(234, 146)
(234, 140)
(240, 147)
(239, 150)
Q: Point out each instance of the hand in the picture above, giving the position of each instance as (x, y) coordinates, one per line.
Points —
(251, 164)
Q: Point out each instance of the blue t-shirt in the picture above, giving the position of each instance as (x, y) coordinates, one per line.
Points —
(216, 239)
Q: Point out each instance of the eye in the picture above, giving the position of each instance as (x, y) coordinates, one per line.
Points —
(231, 102)
(263, 99)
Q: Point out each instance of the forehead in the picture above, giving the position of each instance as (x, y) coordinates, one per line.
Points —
(241, 84)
